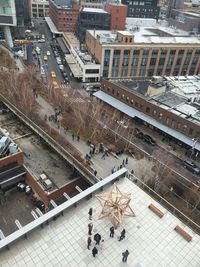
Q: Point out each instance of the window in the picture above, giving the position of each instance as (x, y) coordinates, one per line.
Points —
(184, 128)
(160, 116)
(173, 123)
(179, 125)
(117, 93)
(154, 112)
(127, 98)
(113, 91)
(148, 110)
(131, 101)
(123, 96)
(190, 131)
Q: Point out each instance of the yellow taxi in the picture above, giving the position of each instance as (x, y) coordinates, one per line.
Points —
(45, 58)
(55, 85)
(53, 75)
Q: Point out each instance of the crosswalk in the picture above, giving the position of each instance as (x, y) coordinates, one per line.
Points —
(64, 86)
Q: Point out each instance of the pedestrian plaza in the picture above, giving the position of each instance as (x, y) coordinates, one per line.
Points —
(150, 240)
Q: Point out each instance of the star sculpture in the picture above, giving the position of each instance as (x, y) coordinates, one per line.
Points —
(115, 206)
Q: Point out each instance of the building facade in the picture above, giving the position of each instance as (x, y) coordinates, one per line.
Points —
(142, 8)
(144, 53)
(63, 15)
(168, 109)
(118, 14)
(39, 8)
(92, 18)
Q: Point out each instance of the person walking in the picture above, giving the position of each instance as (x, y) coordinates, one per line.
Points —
(78, 138)
(90, 226)
(97, 238)
(89, 241)
(95, 173)
(90, 213)
(126, 160)
(123, 162)
(73, 137)
(94, 251)
(112, 231)
(122, 236)
(125, 255)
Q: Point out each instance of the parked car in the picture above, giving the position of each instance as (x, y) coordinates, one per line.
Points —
(59, 61)
(61, 67)
(48, 53)
(191, 166)
(149, 140)
(139, 134)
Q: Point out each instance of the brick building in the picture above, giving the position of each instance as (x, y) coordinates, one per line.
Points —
(144, 52)
(118, 14)
(63, 15)
(161, 105)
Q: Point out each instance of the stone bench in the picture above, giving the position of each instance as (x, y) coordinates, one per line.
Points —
(182, 232)
(156, 210)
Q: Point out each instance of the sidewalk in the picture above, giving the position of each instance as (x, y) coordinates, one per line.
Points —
(103, 167)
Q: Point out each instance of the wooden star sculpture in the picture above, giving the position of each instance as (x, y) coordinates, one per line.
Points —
(115, 206)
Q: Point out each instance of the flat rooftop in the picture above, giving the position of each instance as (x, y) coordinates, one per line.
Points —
(150, 240)
(147, 35)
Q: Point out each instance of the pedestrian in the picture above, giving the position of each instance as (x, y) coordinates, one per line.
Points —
(125, 255)
(90, 226)
(113, 170)
(93, 150)
(112, 231)
(89, 241)
(95, 173)
(97, 238)
(104, 155)
(90, 213)
(78, 138)
(122, 236)
(132, 172)
(121, 166)
(126, 160)
(102, 244)
(123, 163)
(90, 152)
(73, 137)
(94, 251)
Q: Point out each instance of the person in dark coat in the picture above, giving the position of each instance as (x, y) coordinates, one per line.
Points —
(90, 226)
(89, 241)
(90, 213)
(97, 238)
(94, 251)
(125, 255)
(112, 231)
(122, 236)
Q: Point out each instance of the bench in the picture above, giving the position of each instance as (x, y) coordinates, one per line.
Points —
(182, 232)
(156, 210)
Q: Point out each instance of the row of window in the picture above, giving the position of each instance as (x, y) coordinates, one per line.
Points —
(171, 122)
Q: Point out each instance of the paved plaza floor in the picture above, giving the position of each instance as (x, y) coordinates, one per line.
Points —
(150, 240)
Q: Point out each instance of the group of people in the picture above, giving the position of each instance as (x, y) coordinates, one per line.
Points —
(99, 241)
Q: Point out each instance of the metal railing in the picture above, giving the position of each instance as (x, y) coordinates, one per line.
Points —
(58, 210)
(48, 139)
(195, 227)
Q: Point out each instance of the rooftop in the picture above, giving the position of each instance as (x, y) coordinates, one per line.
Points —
(149, 239)
(147, 35)
(94, 10)
(181, 95)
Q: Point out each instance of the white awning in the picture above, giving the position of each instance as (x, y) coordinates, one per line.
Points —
(52, 26)
(131, 112)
